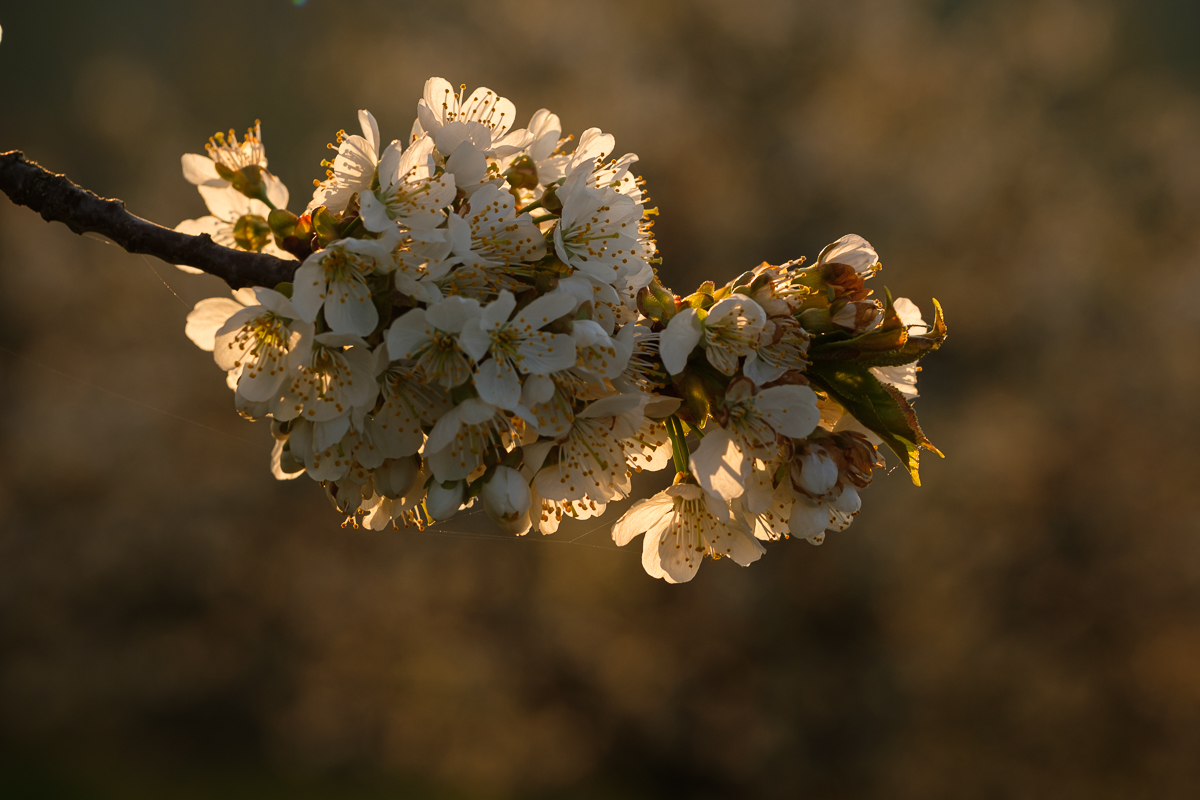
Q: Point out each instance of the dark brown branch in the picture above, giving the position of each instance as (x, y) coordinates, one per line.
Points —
(57, 199)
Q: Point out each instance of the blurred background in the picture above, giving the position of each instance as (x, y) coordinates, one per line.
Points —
(174, 623)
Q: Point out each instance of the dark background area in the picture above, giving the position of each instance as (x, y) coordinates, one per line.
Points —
(174, 623)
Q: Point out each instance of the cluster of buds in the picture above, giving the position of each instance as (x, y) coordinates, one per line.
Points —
(476, 318)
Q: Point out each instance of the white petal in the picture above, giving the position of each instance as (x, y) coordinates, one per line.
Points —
(545, 310)
(719, 465)
(645, 516)
(207, 317)
(818, 472)
(467, 165)
(374, 214)
(741, 546)
(349, 308)
(808, 519)
(790, 410)
(851, 250)
(443, 432)
(651, 560)
(544, 353)
(277, 466)
(910, 315)
(537, 389)
(678, 559)
(443, 503)
(475, 340)
(452, 313)
(225, 203)
(498, 384)
(681, 336)
(496, 313)
(759, 371)
(329, 433)
(275, 302)
(370, 129)
(277, 193)
(308, 288)
(201, 170)
(408, 334)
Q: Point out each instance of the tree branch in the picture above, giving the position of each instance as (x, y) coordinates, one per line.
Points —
(57, 199)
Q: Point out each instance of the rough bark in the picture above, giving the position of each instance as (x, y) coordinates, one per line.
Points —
(57, 199)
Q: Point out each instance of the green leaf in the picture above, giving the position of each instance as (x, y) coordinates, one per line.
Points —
(881, 408)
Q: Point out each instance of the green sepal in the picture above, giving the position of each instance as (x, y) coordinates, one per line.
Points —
(283, 223)
(251, 232)
(326, 226)
(881, 408)
(656, 302)
(696, 400)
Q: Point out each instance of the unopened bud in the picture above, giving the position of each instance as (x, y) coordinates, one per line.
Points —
(442, 502)
(815, 471)
(281, 429)
(396, 476)
(853, 251)
(506, 496)
(346, 495)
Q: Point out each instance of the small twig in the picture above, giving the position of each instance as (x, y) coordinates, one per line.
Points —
(57, 199)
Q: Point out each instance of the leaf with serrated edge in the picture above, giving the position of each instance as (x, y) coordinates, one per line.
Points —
(881, 408)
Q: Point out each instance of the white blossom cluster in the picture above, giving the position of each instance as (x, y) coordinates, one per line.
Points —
(476, 318)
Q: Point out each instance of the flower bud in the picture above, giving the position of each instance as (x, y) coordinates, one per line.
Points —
(847, 501)
(395, 477)
(281, 429)
(815, 472)
(346, 495)
(853, 251)
(808, 519)
(506, 496)
(443, 503)
(249, 409)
